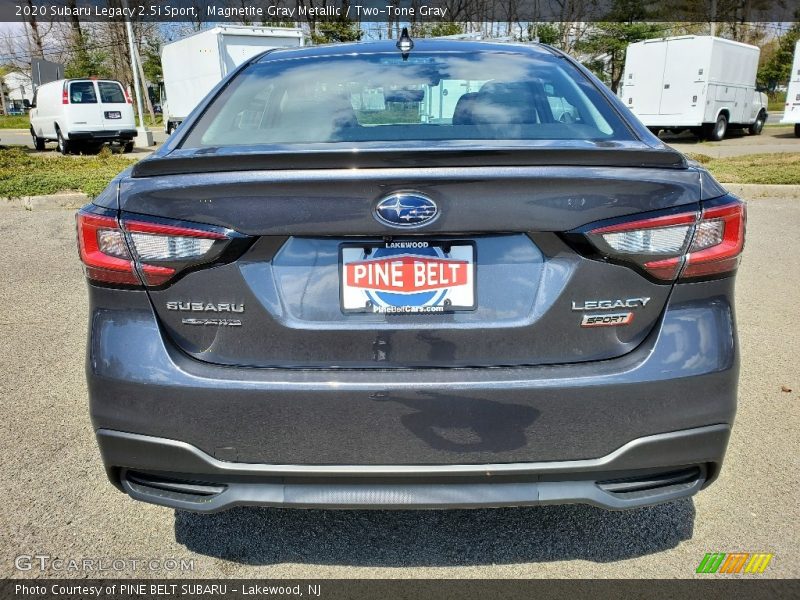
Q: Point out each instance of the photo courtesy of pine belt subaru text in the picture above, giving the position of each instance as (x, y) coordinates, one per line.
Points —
(433, 274)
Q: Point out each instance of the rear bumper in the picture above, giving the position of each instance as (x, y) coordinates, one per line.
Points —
(103, 135)
(178, 475)
(422, 437)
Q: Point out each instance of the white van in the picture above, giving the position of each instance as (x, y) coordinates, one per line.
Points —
(82, 114)
(791, 112)
(701, 83)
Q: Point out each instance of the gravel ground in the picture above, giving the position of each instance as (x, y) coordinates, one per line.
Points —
(58, 502)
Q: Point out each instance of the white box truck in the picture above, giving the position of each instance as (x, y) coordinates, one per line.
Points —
(702, 83)
(791, 112)
(192, 66)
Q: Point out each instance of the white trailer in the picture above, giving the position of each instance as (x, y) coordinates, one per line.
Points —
(193, 65)
(791, 112)
(702, 83)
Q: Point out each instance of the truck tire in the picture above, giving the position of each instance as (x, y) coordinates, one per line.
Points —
(717, 131)
(127, 147)
(797, 130)
(654, 130)
(63, 145)
(758, 125)
(38, 143)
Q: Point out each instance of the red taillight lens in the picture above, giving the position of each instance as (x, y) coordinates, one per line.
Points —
(132, 251)
(64, 95)
(127, 96)
(103, 250)
(689, 244)
(718, 241)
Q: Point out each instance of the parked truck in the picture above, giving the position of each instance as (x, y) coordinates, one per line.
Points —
(791, 112)
(701, 83)
(192, 66)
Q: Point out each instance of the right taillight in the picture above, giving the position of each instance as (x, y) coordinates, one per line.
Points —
(138, 250)
(718, 241)
(704, 242)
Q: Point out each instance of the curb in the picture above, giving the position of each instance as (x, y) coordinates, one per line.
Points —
(66, 200)
(754, 191)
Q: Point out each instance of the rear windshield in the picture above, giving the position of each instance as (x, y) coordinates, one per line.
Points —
(82, 92)
(111, 92)
(433, 96)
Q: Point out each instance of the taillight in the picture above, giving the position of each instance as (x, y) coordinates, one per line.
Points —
(689, 244)
(127, 96)
(64, 95)
(132, 251)
(104, 251)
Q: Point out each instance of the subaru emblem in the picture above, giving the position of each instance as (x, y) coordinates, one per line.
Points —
(406, 209)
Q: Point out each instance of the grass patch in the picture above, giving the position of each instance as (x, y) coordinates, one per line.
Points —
(14, 122)
(781, 168)
(23, 173)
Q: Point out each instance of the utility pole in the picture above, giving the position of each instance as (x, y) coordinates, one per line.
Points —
(144, 138)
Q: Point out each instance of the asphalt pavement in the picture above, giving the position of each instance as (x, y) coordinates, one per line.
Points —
(57, 501)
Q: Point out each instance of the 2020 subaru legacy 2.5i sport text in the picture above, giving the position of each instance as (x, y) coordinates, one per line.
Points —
(457, 275)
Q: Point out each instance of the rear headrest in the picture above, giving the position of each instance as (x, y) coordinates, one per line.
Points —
(328, 114)
(462, 115)
(501, 103)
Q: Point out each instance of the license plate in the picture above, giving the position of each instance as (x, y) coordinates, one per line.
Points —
(113, 114)
(407, 277)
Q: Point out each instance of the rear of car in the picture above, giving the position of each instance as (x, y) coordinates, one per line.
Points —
(340, 286)
(86, 114)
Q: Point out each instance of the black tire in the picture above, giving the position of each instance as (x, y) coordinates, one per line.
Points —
(169, 128)
(758, 125)
(797, 129)
(63, 145)
(717, 131)
(127, 147)
(38, 143)
(654, 130)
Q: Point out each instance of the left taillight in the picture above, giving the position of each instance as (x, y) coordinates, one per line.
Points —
(135, 251)
(685, 245)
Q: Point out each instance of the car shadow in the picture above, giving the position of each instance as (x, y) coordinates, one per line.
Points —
(375, 538)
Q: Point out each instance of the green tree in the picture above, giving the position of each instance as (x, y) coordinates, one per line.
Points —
(86, 60)
(776, 69)
(336, 30)
(607, 42)
(437, 29)
(547, 33)
(151, 60)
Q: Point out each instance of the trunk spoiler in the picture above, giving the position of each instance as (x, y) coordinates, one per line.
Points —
(213, 160)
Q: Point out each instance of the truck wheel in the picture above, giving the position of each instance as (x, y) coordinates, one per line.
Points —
(63, 145)
(654, 130)
(38, 143)
(797, 130)
(717, 131)
(127, 147)
(758, 125)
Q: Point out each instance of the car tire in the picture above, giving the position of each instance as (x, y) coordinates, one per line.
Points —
(797, 130)
(718, 130)
(655, 130)
(63, 145)
(758, 125)
(38, 143)
(127, 147)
